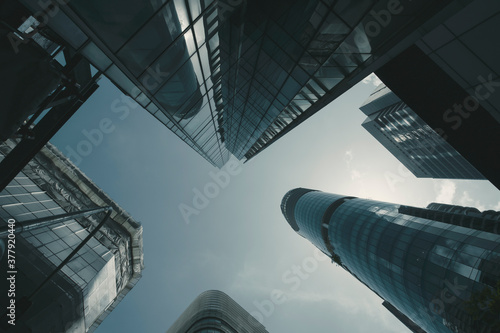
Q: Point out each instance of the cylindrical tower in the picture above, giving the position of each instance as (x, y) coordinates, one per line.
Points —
(442, 276)
(214, 311)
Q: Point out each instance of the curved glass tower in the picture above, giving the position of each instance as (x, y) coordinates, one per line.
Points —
(215, 312)
(439, 266)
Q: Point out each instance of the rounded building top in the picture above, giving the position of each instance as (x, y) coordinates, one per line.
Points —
(288, 205)
(214, 310)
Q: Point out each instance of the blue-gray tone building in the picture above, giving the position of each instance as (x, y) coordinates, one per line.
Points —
(215, 312)
(439, 266)
(451, 79)
(80, 295)
(230, 77)
(413, 142)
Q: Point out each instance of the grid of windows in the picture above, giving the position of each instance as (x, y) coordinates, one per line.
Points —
(229, 76)
(309, 212)
(428, 270)
(411, 261)
(214, 311)
(458, 46)
(102, 271)
(93, 265)
(421, 149)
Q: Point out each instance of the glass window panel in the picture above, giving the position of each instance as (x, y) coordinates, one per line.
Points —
(67, 29)
(122, 81)
(181, 94)
(166, 65)
(182, 13)
(290, 89)
(208, 2)
(152, 108)
(329, 77)
(106, 18)
(352, 11)
(204, 62)
(151, 40)
(214, 43)
(309, 63)
(96, 56)
(300, 75)
(199, 31)
(195, 7)
(316, 88)
(143, 100)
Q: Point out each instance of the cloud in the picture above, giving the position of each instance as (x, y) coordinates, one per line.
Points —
(466, 200)
(350, 305)
(497, 207)
(372, 79)
(348, 156)
(355, 174)
(446, 192)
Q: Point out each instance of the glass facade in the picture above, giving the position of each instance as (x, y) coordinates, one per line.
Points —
(432, 272)
(466, 48)
(215, 312)
(95, 280)
(229, 77)
(414, 143)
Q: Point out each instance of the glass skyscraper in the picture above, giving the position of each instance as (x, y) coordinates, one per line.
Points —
(232, 76)
(413, 142)
(439, 266)
(92, 283)
(215, 312)
(451, 77)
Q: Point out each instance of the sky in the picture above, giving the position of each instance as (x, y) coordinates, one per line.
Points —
(237, 240)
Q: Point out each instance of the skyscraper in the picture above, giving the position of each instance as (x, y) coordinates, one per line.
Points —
(213, 311)
(451, 79)
(414, 143)
(77, 296)
(230, 77)
(439, 266)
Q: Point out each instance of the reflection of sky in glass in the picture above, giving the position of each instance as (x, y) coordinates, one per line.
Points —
(289, 64)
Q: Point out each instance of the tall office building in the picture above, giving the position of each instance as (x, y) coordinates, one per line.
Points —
(230, 77)
(49, 198)
(438, 266)
(451, 79)
(215, 312)
(414, 143)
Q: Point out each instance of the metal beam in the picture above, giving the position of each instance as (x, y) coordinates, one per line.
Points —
(27, 148)
(49, 220)
(25, 303)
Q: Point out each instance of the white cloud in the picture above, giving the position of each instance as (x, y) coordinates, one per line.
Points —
(372, 79)
(355, 174)
(348, 156)
(350, 304)
(497, 207)
(466, 200)
(446, 192)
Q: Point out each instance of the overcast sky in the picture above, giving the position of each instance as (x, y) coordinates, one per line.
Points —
(238, 241)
